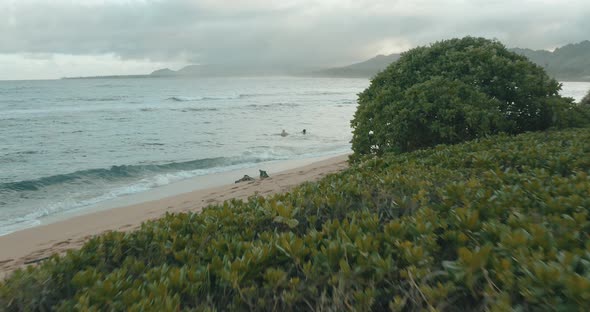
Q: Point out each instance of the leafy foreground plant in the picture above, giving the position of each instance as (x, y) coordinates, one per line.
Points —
(496, 224)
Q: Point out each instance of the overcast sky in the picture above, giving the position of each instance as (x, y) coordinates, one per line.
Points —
(42, 39)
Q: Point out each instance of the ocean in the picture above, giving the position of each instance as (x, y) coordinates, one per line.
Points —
(70, 144)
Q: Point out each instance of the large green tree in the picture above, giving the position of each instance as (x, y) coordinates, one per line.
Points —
(451, 91)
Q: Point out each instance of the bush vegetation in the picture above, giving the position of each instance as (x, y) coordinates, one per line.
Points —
(586, 100)
(453, 91)
(493, 224)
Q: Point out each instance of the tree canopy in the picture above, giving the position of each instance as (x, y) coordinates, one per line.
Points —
(452, 91)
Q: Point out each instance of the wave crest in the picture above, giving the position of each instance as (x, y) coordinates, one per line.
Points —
(114, 173)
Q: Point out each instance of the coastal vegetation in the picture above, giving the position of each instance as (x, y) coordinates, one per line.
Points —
(447, 206)
(453, 91)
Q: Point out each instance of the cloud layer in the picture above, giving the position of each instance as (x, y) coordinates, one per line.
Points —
(292, 33)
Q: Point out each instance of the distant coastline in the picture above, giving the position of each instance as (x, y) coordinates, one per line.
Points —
(340, 72)
(109, 77)
(567, 63)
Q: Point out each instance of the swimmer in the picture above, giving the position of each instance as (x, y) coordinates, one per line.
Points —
(284, 133)
(304, 131)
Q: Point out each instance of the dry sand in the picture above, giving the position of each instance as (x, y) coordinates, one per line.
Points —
(30, 245)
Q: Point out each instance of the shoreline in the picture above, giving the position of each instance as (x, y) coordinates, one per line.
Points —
(72, 230)
(212, 179)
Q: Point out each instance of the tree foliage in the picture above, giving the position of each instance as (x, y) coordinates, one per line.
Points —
(586, 100)
(508, 94)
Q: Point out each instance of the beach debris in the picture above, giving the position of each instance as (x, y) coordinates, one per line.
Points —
(263, 174)
(36, 260)
(284, 133)
(245, 178)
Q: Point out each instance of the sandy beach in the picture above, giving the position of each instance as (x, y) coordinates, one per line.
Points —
(28, 246)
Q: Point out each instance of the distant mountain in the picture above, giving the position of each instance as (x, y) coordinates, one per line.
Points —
(222, 70)
(570, 62)
(367, 68)
(163, 72)
(214, 70)
(109, 77)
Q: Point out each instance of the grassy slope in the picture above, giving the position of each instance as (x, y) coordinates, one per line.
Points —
(496, 223)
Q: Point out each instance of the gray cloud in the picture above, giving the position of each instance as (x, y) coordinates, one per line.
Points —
(302, 33)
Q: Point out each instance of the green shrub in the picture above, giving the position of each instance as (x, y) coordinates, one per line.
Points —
(563, 112)
(586, 100)
(437, 111)
(504, 82)
(501, 223)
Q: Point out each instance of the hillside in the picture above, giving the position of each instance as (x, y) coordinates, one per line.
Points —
(367, 68)
(163, 72)
(570, 62)
(501, 223)
(221, 70)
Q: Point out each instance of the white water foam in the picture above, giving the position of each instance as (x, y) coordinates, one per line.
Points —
(149, 183)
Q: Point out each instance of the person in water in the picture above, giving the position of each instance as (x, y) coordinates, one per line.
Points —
(284, 133)
(304, 131)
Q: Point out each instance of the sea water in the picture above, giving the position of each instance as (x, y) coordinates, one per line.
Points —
(70, 144)
(67, 144)
(575, 90)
